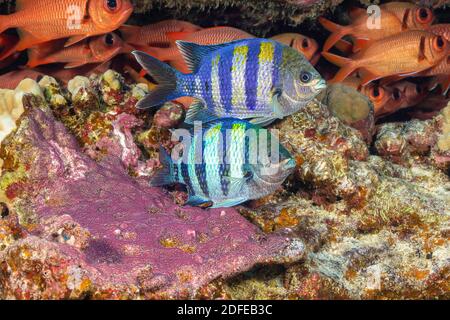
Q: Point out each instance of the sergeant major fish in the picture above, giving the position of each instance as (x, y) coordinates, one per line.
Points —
(217, 166)
(255, 79)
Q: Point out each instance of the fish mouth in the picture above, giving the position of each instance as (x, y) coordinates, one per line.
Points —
(321, 85)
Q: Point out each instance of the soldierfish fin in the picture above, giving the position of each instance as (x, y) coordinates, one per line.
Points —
(422, 55)
(128, 30)
(344, 46)
(360, 44)
(74, 64)
(199, 112)
(228, 203)
(405, 19)
(356, 12)
(164, 176)
(337, 32)
(165, 76)
(368, 77)
(75, 39)
(194, 53)
(348, 66)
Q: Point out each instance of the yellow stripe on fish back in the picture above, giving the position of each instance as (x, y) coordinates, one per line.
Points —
(238, 76)
(266, 56)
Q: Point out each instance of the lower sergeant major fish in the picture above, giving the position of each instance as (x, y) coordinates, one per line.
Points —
(258, 79)
(227, 163)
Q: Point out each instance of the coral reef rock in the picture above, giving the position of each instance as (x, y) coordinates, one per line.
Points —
(72, 227)
(372, 228)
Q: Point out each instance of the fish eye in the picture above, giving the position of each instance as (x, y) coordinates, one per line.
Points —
(109, 39)
(376, 93)
(305, 43)
(112, 5)
(439, 43)
(305, 77)
(418, 89)
(396, 94)
(424, 15)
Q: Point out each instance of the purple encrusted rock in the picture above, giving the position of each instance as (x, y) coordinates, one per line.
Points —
(91, 230)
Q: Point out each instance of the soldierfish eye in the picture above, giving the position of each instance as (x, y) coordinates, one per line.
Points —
(305, 43)
(109, 39)
(424, 15)
(396, 94)
(112, 5)
(439, 43)
(305, 77)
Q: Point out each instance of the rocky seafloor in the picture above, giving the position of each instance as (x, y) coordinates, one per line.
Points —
(366, 214)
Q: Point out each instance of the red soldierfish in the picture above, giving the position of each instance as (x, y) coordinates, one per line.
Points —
(395, 17)
(95, 50)
(39, 21)
(399, 55)
(155, 35)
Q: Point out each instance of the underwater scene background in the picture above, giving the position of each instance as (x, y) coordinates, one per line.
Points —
(92, 206)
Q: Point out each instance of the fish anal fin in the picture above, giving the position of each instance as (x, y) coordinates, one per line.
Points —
(199, 112)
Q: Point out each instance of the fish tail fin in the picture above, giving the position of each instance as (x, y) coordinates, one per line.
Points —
(167, 79)
(127, 31)
(164, 176)
(347, 65)
(337, 32)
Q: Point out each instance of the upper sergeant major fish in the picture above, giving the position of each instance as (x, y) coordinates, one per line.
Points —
(39, 21)
(255, 79)
(403, 54)
(394, 18)
(226, 163)
(155, 35)
(94, 50)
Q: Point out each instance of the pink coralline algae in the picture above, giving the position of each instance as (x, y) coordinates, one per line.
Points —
(88, 229)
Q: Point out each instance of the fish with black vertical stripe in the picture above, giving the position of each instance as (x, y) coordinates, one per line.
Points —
(256, 79)
(227, 163)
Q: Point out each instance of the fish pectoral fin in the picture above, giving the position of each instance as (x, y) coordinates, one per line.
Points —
(228, 203)
(197, 201)
(75, 39)
(422, 55)
(199, 112)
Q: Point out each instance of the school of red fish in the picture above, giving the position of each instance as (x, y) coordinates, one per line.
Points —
(403, 62)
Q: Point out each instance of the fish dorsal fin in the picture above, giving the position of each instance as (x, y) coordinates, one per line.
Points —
(405, 19)
(422, 49)
(193, 53)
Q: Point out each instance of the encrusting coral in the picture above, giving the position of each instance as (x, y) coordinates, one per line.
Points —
(353, 222)
(85, 228)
